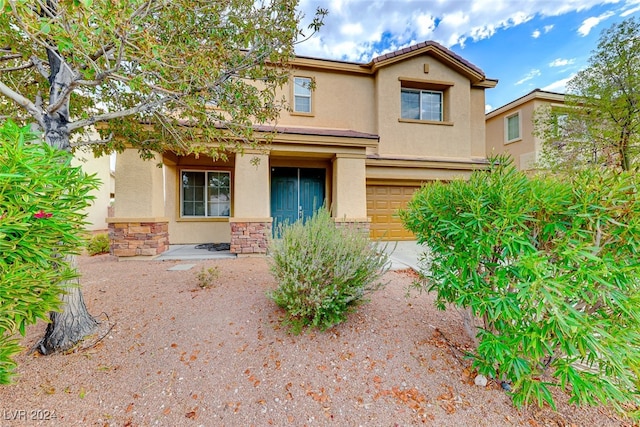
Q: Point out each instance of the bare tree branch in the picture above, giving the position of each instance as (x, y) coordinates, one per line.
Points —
(92, 141)
(17, 68)
(117, 114)
(38, 63)
(36, 112)
(9, 57)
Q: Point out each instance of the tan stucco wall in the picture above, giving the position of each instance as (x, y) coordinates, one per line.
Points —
(251, 186)
(450, 139)
(477, 123)
(340, 101)
(139, 186)
(349, 197)
(98, 211)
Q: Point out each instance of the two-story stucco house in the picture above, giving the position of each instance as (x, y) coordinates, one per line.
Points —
(361, 140)
(510, 128)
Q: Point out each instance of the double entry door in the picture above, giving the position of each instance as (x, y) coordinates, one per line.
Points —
(296, 193)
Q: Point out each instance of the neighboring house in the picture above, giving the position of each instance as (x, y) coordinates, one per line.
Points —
(361, 140)
(510, 128)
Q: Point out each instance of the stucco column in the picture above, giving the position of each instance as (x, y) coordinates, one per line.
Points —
(251, 221)
(349, 194)
(139, 227)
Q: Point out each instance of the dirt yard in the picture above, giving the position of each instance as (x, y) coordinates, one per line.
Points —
(174, 354)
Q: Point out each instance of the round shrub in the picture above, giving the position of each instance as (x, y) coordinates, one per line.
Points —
(323, 271)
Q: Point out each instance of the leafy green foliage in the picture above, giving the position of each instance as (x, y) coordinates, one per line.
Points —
(40, 197)
(153, 69)
(98, 244)
(600, 123)
(323, 271)
(551, 268)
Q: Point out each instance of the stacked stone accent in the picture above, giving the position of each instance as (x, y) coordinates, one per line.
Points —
(362, 226)
(138, 238)
(250, 237)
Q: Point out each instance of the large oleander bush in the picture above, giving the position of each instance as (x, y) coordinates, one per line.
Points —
(550, 268)
(41, 198)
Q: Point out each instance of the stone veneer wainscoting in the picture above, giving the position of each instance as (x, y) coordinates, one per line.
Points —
(250, 236)
(129, 238)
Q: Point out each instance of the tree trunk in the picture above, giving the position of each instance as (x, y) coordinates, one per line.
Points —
(70, 325)
(74, 322)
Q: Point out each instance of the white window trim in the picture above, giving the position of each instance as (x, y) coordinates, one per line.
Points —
(206, 197)
(420, 91)
(506, 127)
(310, 96)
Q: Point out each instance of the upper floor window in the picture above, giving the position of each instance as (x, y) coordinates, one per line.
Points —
(205, 194)
(422, 105)
(302, 94)
(512, 127)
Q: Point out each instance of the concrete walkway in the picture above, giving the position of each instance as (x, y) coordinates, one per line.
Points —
(402, 254)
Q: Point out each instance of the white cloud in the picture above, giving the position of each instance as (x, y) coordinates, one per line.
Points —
(529, 76)
(377, 26)
(487, 108)
(559, 86)
(559, 62)
(537, 33)
(630, 11)
(589, 23)
(351, 29)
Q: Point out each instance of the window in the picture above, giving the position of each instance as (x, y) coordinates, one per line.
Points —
(206, 194)
(302, 94)
(421, 105)
(512, 127)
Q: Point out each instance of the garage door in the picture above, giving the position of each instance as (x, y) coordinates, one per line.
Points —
(383, 203)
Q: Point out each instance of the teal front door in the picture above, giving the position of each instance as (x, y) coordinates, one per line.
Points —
(296, 193)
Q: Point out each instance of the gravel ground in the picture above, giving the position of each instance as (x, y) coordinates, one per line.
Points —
(174, 354)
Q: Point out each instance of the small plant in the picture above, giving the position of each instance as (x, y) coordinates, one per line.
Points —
(323, 271)
(99, 244)
(208, 277)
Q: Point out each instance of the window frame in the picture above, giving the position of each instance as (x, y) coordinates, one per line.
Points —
(508, 140)
(310, 96)
(419, 85)
(420, 92)
(206, 199)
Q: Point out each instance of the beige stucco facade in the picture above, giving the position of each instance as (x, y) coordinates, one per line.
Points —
(98, 211)
(526, 149)
(352, 137)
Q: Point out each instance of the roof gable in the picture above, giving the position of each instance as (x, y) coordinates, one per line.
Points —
(434, 49)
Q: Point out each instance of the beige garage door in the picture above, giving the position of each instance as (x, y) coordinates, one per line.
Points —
(383, 202)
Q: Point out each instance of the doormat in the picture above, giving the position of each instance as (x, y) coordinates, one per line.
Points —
(214, 246)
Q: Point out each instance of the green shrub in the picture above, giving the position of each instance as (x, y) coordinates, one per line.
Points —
(551, 268)
(41, 196)
(98, 244)
(323, 271)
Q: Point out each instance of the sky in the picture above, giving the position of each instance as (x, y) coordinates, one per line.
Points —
(525, 44)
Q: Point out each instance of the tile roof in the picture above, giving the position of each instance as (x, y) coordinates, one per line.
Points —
(425, 44)
(318, 131)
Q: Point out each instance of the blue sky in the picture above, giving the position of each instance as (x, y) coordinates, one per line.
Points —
(525, 44)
